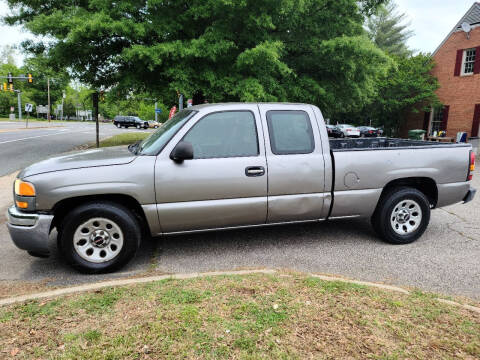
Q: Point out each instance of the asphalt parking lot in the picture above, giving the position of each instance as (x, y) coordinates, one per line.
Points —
(21, 146)
(445, 260)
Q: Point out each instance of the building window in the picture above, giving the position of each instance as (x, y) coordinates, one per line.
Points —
(468, 61)
(437, 120)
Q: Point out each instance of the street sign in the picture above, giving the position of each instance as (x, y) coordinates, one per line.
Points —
(158, 111)
(28, 108)
(189, 103)
(59, 107)
(12, 109)
(41, 109)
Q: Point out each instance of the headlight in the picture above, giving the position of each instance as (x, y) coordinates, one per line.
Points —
(23, 188)
(24, 195)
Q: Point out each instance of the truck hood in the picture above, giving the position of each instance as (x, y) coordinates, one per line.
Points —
(90, 158)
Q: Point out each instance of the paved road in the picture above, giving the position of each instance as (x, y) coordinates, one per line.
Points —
(445, 260)
(20, 147)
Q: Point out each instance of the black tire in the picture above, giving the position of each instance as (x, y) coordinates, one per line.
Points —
(120, 215)
(342, 135)
(139, 126)
(384, 215)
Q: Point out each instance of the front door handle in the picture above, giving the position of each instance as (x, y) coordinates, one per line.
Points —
(255, 171)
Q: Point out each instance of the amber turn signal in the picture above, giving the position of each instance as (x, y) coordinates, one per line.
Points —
(21, 204)
(23, 188)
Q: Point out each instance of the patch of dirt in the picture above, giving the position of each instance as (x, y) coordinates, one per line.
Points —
(10, 289)
(257, 315)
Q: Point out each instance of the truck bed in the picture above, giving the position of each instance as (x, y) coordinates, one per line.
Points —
(363, 167)
(385, 143)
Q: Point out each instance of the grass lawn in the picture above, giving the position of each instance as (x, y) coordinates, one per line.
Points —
(124, 139)
(255, 316)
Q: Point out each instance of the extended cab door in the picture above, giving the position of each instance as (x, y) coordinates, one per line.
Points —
(296, 165)
(225, 185)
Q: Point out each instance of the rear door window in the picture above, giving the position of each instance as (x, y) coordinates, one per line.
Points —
(290, 132)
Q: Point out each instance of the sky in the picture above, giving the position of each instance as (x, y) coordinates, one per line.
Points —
(431, 21)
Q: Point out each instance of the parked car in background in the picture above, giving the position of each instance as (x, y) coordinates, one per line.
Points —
(127, 121)
(153, 124)
(349, 130)
(334, 132)
(368, 131)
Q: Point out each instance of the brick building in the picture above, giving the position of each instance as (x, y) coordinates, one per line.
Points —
(457, 68)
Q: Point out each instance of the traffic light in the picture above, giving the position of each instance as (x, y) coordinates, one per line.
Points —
(10, 78)
(5, 86)
(30, 78)
(11, 87)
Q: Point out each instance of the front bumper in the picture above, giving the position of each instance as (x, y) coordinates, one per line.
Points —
(470, 195)
(29, 231)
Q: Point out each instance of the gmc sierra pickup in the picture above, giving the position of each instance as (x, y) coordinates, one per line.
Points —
(224, 166)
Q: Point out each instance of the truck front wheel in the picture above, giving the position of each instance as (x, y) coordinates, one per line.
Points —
(402, 215)
(99, 237)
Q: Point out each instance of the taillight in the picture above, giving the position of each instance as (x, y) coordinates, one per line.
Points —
(471, 166)
(349, 129)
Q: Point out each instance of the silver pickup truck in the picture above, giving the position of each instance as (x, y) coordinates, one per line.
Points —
(225, 166)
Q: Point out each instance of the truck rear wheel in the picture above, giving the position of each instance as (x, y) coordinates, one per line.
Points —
(402, 215)
(99, 237)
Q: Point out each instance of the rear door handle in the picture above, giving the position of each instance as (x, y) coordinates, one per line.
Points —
(255, 171)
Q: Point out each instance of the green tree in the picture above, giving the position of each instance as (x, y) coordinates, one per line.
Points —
(408, 87)
(7, 55)
(42, 73)
(225, 50)
(9, 99)
(389, 31)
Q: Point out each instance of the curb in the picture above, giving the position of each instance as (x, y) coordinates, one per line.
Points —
(124, 282)
(365, 283)
(395, 289)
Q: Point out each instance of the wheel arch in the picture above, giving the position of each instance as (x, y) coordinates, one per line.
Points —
(426, 185)
(61, 208)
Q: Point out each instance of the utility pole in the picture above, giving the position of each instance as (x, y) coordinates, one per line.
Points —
(95, 109)
(63, 98)
(180, 102)
(156, 115)
(19, 105)
(48, 90)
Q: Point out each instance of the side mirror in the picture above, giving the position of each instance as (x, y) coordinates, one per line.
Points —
(183, 151)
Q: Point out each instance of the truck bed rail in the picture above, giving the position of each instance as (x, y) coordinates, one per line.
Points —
(386, 143)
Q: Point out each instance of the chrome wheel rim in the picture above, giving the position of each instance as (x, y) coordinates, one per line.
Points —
(406, 217)
(98, 240)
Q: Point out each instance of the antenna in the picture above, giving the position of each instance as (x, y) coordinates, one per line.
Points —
(467, 28)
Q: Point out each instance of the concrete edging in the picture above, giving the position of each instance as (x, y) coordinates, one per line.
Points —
(395, 289)
(124, 282)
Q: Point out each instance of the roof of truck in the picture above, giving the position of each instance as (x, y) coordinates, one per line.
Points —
(202, 106)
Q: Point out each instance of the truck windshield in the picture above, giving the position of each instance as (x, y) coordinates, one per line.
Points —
(153, 144)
